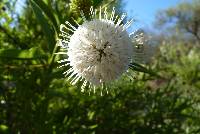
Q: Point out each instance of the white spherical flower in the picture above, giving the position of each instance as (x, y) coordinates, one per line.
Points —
(99, 51)
(143, 48)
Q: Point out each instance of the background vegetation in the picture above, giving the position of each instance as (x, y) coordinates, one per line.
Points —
(36, 99)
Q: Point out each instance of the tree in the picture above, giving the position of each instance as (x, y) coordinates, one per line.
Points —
(185, 17)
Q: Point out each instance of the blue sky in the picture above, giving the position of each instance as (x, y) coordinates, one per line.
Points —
(144, 10)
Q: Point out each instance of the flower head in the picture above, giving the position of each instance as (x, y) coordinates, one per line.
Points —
(143, 49)
(99, 51)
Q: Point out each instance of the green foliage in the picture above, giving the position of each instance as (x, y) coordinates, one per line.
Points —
(47, 30)
(78, 6)
(35, 98)
(33, 53)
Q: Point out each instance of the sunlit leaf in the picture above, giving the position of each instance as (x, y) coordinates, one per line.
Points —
(140, 68)
(47, 29)
(33, 53)
(48, 12)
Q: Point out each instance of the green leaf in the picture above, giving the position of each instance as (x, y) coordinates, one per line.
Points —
(97, 2)
(33, 53)
(47, 29)
(3, 128)
(93, 126)
(48, 12)
(140, 68)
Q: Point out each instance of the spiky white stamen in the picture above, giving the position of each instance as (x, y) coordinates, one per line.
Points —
(100, 13)
(113, 14)
(70, 25)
